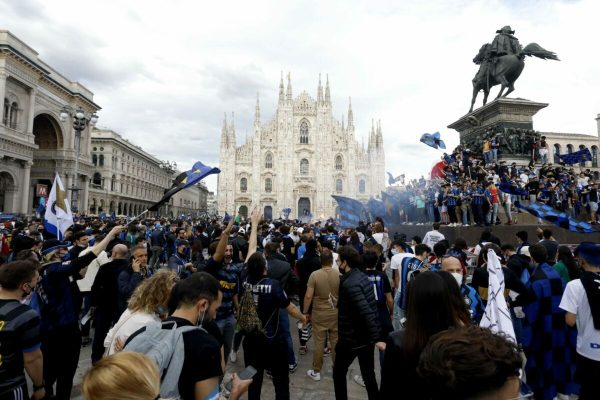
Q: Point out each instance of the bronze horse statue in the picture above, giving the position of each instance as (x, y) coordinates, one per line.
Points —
(503, 70)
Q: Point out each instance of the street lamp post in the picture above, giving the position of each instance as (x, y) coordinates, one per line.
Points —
(170, 168)
(80, 121)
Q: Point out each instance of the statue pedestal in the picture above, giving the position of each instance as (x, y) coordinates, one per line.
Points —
(510, 120)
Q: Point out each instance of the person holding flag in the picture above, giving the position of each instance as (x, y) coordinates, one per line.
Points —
(58, 217)
(61, 337)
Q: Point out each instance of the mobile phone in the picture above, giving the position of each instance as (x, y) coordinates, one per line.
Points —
(248, 373)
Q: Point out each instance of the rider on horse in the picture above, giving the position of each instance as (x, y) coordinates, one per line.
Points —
(504, 44)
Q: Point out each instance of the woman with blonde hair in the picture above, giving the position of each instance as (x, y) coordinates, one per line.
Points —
(148, 305)
(112, 378)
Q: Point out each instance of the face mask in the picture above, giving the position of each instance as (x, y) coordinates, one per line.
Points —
(458, 277)
(394, 251)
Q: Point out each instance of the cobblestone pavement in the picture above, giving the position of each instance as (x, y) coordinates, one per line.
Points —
(301, 386)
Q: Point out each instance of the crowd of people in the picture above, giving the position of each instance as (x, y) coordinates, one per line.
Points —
(465, 190)
(174, 301)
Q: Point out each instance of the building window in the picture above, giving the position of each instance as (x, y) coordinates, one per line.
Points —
(95, 159)
(14, 108)
(243, 185)
(268, 185)
(594, 156)
(581, 147)
(101, 160)
(6, 112)
(97, 180)
(339, 186)
(569, 148)
(361, 186)
(113, 183)
(269, 160)
(338, 162)
(304, 132)
(304, 167)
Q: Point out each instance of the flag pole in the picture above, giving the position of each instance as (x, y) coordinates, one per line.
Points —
(138, 216)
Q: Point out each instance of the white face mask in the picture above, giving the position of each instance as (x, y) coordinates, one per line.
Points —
(394, 251)
(458, 277)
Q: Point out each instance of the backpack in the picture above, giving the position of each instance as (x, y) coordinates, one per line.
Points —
(164, 345)
(248, 320)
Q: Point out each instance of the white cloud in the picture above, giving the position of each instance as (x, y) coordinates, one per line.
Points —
(164, 72)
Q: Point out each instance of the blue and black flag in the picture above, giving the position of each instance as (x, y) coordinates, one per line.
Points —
(376, 208)
(184, 180)
(351, 211)
(577, 157)
(558, 218)
(512, 188)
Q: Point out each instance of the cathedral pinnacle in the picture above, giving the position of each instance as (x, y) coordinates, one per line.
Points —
(319, 92)
(257, 112)
(281, 89)
(350, 114)
(288, 94)
(327, 92)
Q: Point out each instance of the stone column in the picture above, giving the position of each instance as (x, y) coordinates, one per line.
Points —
(25, 206)
(84, 194)
(31, 115)
(3, 76)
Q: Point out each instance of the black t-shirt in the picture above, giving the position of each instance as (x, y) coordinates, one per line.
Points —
(269, 298)
(202, 359)
(19, 333)
(288, 245)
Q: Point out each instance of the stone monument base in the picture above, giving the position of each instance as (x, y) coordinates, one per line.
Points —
(509, 121)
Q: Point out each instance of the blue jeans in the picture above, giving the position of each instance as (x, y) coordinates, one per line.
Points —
(494, 155)
(430, 213)
(284, 325)
(492, 214)
(487, 157)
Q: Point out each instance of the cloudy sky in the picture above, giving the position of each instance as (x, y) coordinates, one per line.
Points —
(164, 72)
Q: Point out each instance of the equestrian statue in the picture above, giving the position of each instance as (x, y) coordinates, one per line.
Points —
(501, 63)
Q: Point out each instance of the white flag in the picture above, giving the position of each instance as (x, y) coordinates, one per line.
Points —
(58, 216)
(497, 316)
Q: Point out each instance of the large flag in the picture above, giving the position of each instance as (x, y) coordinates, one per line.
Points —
(577, 157)
(376, 208)
(558, 218)
(496, 316)
(184, 180)
(58, 217)
(351, 211)
(433, 140)
(513, 189)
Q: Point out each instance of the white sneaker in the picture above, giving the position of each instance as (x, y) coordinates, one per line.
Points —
(233, 356)
(315, 376)
(359, 380)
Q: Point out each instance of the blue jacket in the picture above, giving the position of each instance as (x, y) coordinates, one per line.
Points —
(58, 295)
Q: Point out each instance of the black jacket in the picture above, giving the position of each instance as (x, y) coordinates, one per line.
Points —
(398, 372)
(282, 272)
(308, 264)
(105, 290)
(358, 319)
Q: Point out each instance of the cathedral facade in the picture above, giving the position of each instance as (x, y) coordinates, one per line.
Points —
(298, 159)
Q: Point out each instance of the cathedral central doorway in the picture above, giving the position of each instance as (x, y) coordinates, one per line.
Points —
(268, 212)
(304, 208)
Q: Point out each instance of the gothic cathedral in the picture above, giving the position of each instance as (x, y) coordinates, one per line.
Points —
(298, 159)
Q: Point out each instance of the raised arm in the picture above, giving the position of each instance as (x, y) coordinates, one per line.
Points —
(255, 219)
(220, 252)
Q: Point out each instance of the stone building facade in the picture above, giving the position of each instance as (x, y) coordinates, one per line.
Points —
(34, 142)
(127, 180)
(298, 159)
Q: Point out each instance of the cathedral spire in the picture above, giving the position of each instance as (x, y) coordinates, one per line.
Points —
(343, 127)
(281, 98)
(257, 113)
(288, 94)
(350, 114)
(319, 92)
(224, 132)
(327, 92)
